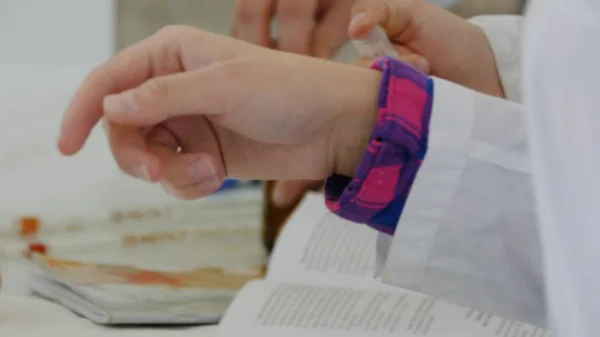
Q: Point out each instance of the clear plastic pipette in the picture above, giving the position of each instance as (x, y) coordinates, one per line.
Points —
(375, 44)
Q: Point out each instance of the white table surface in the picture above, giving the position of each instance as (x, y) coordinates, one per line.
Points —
(57, 31)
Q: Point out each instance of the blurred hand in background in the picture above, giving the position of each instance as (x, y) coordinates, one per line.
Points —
(311, 27)
(456, 50)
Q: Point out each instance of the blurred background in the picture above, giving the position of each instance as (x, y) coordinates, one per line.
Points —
(47, 49)
(139, 18)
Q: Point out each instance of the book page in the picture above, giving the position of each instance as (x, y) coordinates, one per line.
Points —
(265, 309)
(318, 247)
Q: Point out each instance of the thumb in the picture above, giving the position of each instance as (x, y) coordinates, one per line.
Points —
(394, 16)
(163, 97)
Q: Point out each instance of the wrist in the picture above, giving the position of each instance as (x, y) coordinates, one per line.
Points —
(355, 124)
(379, 185)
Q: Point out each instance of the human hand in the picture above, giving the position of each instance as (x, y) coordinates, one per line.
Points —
(455, 49)
(189, 108)
(311, 27)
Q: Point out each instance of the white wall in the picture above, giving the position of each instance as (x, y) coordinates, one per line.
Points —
(46, 49)
(56, 31)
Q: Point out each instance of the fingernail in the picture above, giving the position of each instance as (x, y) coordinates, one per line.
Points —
(199, 170)
(209, 185)
(122, 102)
(357, 20)
(167, 188)
(141, 172)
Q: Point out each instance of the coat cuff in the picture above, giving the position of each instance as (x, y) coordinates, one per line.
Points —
(397, 146)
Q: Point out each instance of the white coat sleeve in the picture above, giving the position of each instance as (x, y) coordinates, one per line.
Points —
(504, 35)
(468, 230)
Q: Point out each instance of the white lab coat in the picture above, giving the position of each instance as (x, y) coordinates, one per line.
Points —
(561, 71)
(469, 232)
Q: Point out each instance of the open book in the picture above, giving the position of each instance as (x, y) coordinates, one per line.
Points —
(184, 266)
(181, 263)
(320, 283)
(121, 294)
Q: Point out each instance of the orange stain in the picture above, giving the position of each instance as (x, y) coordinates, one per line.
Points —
(150, 277)
(55, 263)
(36, 247)
(29, 226)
